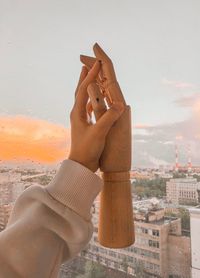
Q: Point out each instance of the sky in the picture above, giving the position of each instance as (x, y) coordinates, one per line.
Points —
(154, 46)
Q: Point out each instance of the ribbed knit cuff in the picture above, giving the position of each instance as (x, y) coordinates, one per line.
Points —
(76, 187)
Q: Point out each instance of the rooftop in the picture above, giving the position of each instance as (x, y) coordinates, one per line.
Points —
(195, 210)
(164, 220)
(184, 180)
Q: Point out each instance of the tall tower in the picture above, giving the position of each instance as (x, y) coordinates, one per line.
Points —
(189, 166)
(176, 158)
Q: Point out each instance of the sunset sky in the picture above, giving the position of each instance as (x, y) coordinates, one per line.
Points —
(24, 138)
(155, 48)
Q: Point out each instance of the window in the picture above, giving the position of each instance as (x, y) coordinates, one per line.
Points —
(155, 232)
(144, 230)
(153, 243)
(113, 254)
(146, 253)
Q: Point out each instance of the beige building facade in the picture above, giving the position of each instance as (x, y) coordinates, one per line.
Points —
(183, 191)
(195, 241)
(5, 211)
(152, 254)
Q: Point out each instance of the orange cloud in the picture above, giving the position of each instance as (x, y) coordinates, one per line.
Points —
(24, 138)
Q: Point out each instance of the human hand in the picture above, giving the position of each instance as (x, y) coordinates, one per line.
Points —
(88, 139)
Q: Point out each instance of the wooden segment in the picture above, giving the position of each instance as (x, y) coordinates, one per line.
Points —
(116, 227)
(115, 176)
(116, 156)
(116, 223)
(113, 90)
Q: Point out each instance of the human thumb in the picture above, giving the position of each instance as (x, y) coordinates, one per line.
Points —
(105, 123)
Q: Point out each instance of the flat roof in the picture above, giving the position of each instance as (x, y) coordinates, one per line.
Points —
(195, 210)
(159, 222)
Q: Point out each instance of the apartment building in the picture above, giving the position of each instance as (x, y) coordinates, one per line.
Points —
(195, 241)
(5, 211)
(9, 176)
(183, 191)
(9, 192)
(6, 193)
(159, 249)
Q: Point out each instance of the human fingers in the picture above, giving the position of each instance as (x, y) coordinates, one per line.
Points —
(89, 108)
(89, 61)
(83, 74)
(104, 124)
(97, 100)
(82, 94)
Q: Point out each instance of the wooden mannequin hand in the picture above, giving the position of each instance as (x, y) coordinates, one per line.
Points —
(116, 226)
(87, 139)
(117, 152)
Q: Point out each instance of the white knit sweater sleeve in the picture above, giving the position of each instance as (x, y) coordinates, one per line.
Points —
(49, 225)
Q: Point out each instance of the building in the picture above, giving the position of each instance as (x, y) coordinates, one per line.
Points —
(183, 191)
(11, 188)
(158, 238)
(195, 241)
(10, 191)
(6, 193)
(9, 176)
(5, 211)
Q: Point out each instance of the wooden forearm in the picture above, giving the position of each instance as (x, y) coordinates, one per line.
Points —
(116, 228)
(116, 223)
(116, 156)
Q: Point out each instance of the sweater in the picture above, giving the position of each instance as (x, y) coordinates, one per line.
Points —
(49, 225)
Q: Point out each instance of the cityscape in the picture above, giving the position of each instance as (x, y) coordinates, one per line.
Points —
(154, 48)
(166, 204)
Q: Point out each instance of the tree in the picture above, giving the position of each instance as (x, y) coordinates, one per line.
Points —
(184, 215)
(93, 270)
(150, 188)
(124, 264)
(139, 271)
(185, 218)
(179, 175)
(196, 177)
